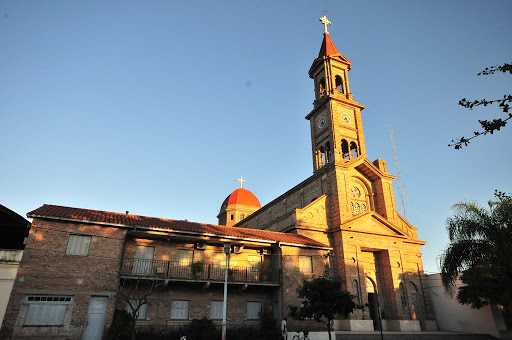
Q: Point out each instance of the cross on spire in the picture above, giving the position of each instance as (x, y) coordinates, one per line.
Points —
(241, 180)
(325, 22)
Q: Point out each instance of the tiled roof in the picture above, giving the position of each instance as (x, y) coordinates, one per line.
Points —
(241, 196)
(120, 219)
(327, 47)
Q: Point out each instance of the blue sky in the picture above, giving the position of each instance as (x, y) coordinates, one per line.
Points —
(157, 107)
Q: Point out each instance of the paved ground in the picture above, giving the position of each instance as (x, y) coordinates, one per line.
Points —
(387, 335)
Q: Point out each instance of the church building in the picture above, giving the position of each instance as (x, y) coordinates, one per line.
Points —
(80, 267)
(348, 203)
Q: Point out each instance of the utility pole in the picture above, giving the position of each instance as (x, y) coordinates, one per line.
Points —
(227, 250)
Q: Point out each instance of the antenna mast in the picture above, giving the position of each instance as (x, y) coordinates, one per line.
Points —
(398, 175)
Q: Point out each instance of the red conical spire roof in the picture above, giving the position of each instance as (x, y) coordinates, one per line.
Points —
(327, 47)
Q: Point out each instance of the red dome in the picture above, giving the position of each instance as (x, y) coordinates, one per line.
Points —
(241, 196)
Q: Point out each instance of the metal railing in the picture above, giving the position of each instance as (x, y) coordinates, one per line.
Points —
(196, 271)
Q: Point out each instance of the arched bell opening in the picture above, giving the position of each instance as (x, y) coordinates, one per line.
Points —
(344, 150)
(353, 150)
(339, 84)
(322, 90)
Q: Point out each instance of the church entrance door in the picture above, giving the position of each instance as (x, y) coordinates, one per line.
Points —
(374, 310)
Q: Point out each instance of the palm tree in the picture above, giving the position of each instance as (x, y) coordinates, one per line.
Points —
(480, 250)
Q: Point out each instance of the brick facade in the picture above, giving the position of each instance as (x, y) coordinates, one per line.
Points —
(46, 269)
(112, 266)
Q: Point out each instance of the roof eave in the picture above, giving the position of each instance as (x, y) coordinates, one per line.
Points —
(247, 239)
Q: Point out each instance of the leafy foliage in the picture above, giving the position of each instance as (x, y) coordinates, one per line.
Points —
(323, 300)
(488, 126)
(481, 250)
(269, 328)
(120, 323)
(202, 329)
(135, 294)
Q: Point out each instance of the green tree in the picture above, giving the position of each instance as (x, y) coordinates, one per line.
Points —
(487, 126)
(323, 300)
(480, 250)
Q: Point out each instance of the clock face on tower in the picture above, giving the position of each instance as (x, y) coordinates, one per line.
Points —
(321, 122)
(346, 118)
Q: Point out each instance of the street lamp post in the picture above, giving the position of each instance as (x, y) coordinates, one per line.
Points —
(227, 250)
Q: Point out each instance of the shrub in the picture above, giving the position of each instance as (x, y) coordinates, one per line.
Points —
(120, 327)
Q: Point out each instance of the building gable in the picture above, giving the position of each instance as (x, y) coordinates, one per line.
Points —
(314, 214)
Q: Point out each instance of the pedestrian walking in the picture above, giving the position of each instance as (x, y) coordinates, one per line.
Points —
(284, 329)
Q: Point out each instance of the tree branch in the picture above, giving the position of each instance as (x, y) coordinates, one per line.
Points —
(486, 125)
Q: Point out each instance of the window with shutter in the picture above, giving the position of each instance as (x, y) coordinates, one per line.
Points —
(216, 310)
(253, 310)
(78, 245)
(46, 310)
(179, 309)
(143, 262)
(306, 264)
(185, 257)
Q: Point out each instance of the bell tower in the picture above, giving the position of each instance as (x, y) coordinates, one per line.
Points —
(335, 121)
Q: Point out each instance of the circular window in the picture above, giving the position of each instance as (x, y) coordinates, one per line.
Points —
(356, 193)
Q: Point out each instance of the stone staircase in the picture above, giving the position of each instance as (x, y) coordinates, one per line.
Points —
(411, 336)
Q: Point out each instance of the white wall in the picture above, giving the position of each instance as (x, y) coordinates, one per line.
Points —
(9, 264)
(453, 316)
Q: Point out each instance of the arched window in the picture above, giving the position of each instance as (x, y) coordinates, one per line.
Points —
(415, 303)
(323, 156)
(321, 88)
(242, 216)
(344, 149)
(355, 287)
(231, 217)
(353, 150)
(363, 208)
(352, 206)
(356, 209)
(339, 84)
(327, 151)
(402, 294)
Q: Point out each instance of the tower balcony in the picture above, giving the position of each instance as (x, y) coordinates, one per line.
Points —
(134, 268)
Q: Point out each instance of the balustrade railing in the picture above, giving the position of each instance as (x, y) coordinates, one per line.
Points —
(196, 271)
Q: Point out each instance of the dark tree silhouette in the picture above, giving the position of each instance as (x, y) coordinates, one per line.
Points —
(488, 126)
(480, 251)
(323, 299)
(134, 294)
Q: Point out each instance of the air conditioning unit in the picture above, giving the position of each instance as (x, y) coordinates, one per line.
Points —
(237, 249)
(266, 251)
(200, 246)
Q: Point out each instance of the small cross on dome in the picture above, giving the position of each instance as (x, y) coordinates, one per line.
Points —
(325, 22)
(241, 180)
